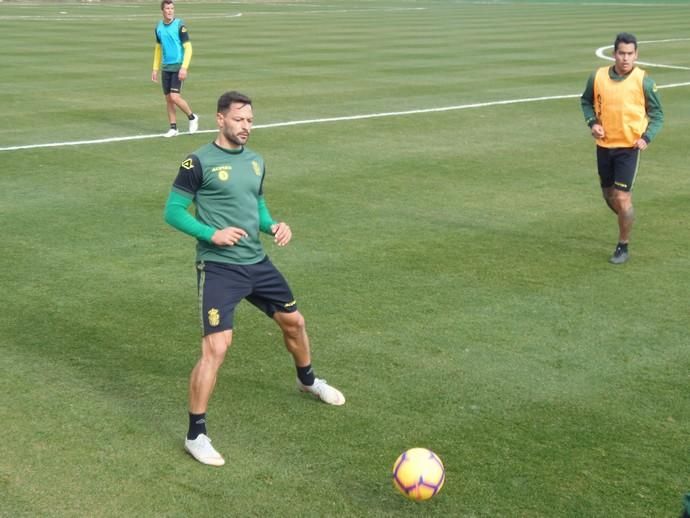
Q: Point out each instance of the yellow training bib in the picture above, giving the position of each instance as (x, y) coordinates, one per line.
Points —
(620, 107)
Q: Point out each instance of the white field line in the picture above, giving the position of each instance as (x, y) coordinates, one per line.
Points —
(302, 122)
(66, 16)
(629, 4)
(320, 121)
(62, 16)
(600, 53)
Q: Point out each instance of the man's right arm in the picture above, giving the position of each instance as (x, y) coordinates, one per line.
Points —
(176, 214)
(587, 102)
(156, 62)
(157, 56)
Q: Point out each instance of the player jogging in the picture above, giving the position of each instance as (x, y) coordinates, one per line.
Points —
(623, 110)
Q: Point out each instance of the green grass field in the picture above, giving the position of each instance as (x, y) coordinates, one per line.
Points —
(452, 265)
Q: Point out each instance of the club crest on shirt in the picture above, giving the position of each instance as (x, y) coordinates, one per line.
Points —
(223, 172)
(256, 167)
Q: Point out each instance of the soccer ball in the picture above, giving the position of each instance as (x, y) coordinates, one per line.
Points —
(418, 474)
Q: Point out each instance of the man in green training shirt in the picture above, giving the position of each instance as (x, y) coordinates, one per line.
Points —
(172, 55)
(225, 179)
(623, 110)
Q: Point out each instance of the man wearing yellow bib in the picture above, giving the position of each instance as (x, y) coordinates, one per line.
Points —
(623, 110)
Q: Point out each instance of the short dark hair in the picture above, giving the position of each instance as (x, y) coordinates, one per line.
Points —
(166, 2)
(226, 100)
(624, 37)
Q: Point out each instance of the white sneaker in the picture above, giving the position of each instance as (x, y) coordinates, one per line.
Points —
(322, 390)
(171, 133)
(194, 124)
(201, 449)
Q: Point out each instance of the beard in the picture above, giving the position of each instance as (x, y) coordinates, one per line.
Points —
(239, 139)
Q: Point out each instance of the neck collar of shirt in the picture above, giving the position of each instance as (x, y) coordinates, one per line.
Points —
(236, 151)
(613, 74)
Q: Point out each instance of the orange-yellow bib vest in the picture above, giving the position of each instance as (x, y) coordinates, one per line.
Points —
(620, 107)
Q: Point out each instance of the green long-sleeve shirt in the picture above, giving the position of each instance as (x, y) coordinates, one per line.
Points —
(226, 187)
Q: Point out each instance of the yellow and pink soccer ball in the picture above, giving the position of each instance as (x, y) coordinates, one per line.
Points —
(418, 474)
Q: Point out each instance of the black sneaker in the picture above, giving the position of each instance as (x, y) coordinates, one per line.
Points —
(620, 254)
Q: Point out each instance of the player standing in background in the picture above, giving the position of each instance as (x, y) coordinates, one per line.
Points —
(174, 52)
(224, 179)
(623, 110)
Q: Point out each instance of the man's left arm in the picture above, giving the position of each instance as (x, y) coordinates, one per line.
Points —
(655, 113)
(187, 46)
(281, 232)
(266, 221)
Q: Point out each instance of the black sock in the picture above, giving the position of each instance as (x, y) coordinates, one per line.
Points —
(623, 246)
(306, 375)
(197, 425)
(191, 116)
(173, 125)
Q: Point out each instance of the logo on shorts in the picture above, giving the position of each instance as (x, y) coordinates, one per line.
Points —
(621, 184)
(188, 164)
(256, 167)
(213, 317)
(290, 304)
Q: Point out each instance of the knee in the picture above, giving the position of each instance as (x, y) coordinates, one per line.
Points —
(622, 200)
(214, 347)
(292, 324)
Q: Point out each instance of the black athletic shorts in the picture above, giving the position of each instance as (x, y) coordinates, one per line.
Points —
(222, 286)
(171, 82)
(618, 167)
